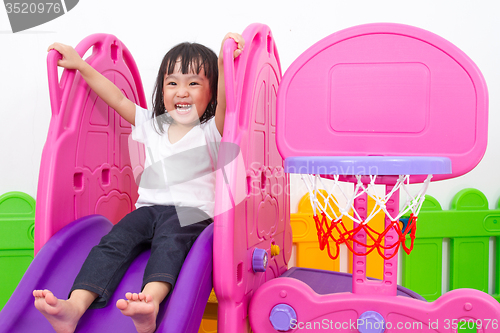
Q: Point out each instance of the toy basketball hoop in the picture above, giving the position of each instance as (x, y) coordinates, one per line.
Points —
(344, 218)
(379, 104)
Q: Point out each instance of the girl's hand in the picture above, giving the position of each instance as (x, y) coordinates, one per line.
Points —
(239, 41)
(220, 112)
(70, 58)
(102, 86)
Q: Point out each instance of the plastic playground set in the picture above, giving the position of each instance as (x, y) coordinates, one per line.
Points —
(362, 116)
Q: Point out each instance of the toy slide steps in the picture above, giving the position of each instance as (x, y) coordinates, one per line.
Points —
(59, 261)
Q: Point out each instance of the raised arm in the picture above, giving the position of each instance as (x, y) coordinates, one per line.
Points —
(104, 88)
(220, 112)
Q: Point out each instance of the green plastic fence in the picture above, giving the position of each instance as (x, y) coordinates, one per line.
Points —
(17, 234)
(468, 225)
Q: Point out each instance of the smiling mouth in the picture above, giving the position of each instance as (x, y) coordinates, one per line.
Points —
(183, 108)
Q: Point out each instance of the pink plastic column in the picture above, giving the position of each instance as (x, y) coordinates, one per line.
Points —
(388, 286)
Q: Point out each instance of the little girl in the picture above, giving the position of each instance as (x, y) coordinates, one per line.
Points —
(188, 116)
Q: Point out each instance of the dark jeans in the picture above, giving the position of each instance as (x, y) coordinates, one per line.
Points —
(155, 227)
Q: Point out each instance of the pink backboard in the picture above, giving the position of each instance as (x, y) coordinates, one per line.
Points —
(384, 90)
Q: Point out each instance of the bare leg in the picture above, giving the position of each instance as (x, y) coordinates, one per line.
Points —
(143, 307)
(63, 315)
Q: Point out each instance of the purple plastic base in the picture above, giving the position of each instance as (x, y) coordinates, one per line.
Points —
(368, 165)
(328, 282)
(59, 261)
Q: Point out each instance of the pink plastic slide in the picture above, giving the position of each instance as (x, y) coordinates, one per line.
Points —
(88, 181)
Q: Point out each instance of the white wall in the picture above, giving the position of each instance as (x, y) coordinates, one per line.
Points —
(150, 28)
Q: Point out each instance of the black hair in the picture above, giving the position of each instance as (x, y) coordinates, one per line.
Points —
(193, 58)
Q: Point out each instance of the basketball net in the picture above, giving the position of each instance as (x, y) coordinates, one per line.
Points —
(330, 215)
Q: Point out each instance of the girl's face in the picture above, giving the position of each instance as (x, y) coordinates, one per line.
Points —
(186, 96)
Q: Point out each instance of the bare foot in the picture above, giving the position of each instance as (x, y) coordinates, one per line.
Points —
(141, 308)
(63, 315)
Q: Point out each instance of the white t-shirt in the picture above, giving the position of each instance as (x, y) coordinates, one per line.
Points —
(179, 174)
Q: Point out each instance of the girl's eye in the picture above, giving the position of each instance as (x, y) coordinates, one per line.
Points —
(171, 84)
(193, 83)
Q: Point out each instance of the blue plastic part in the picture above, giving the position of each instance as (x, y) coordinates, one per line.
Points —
(368, 165)
(371, 322)
(282, 317)
(405, 221)
(259, 260)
